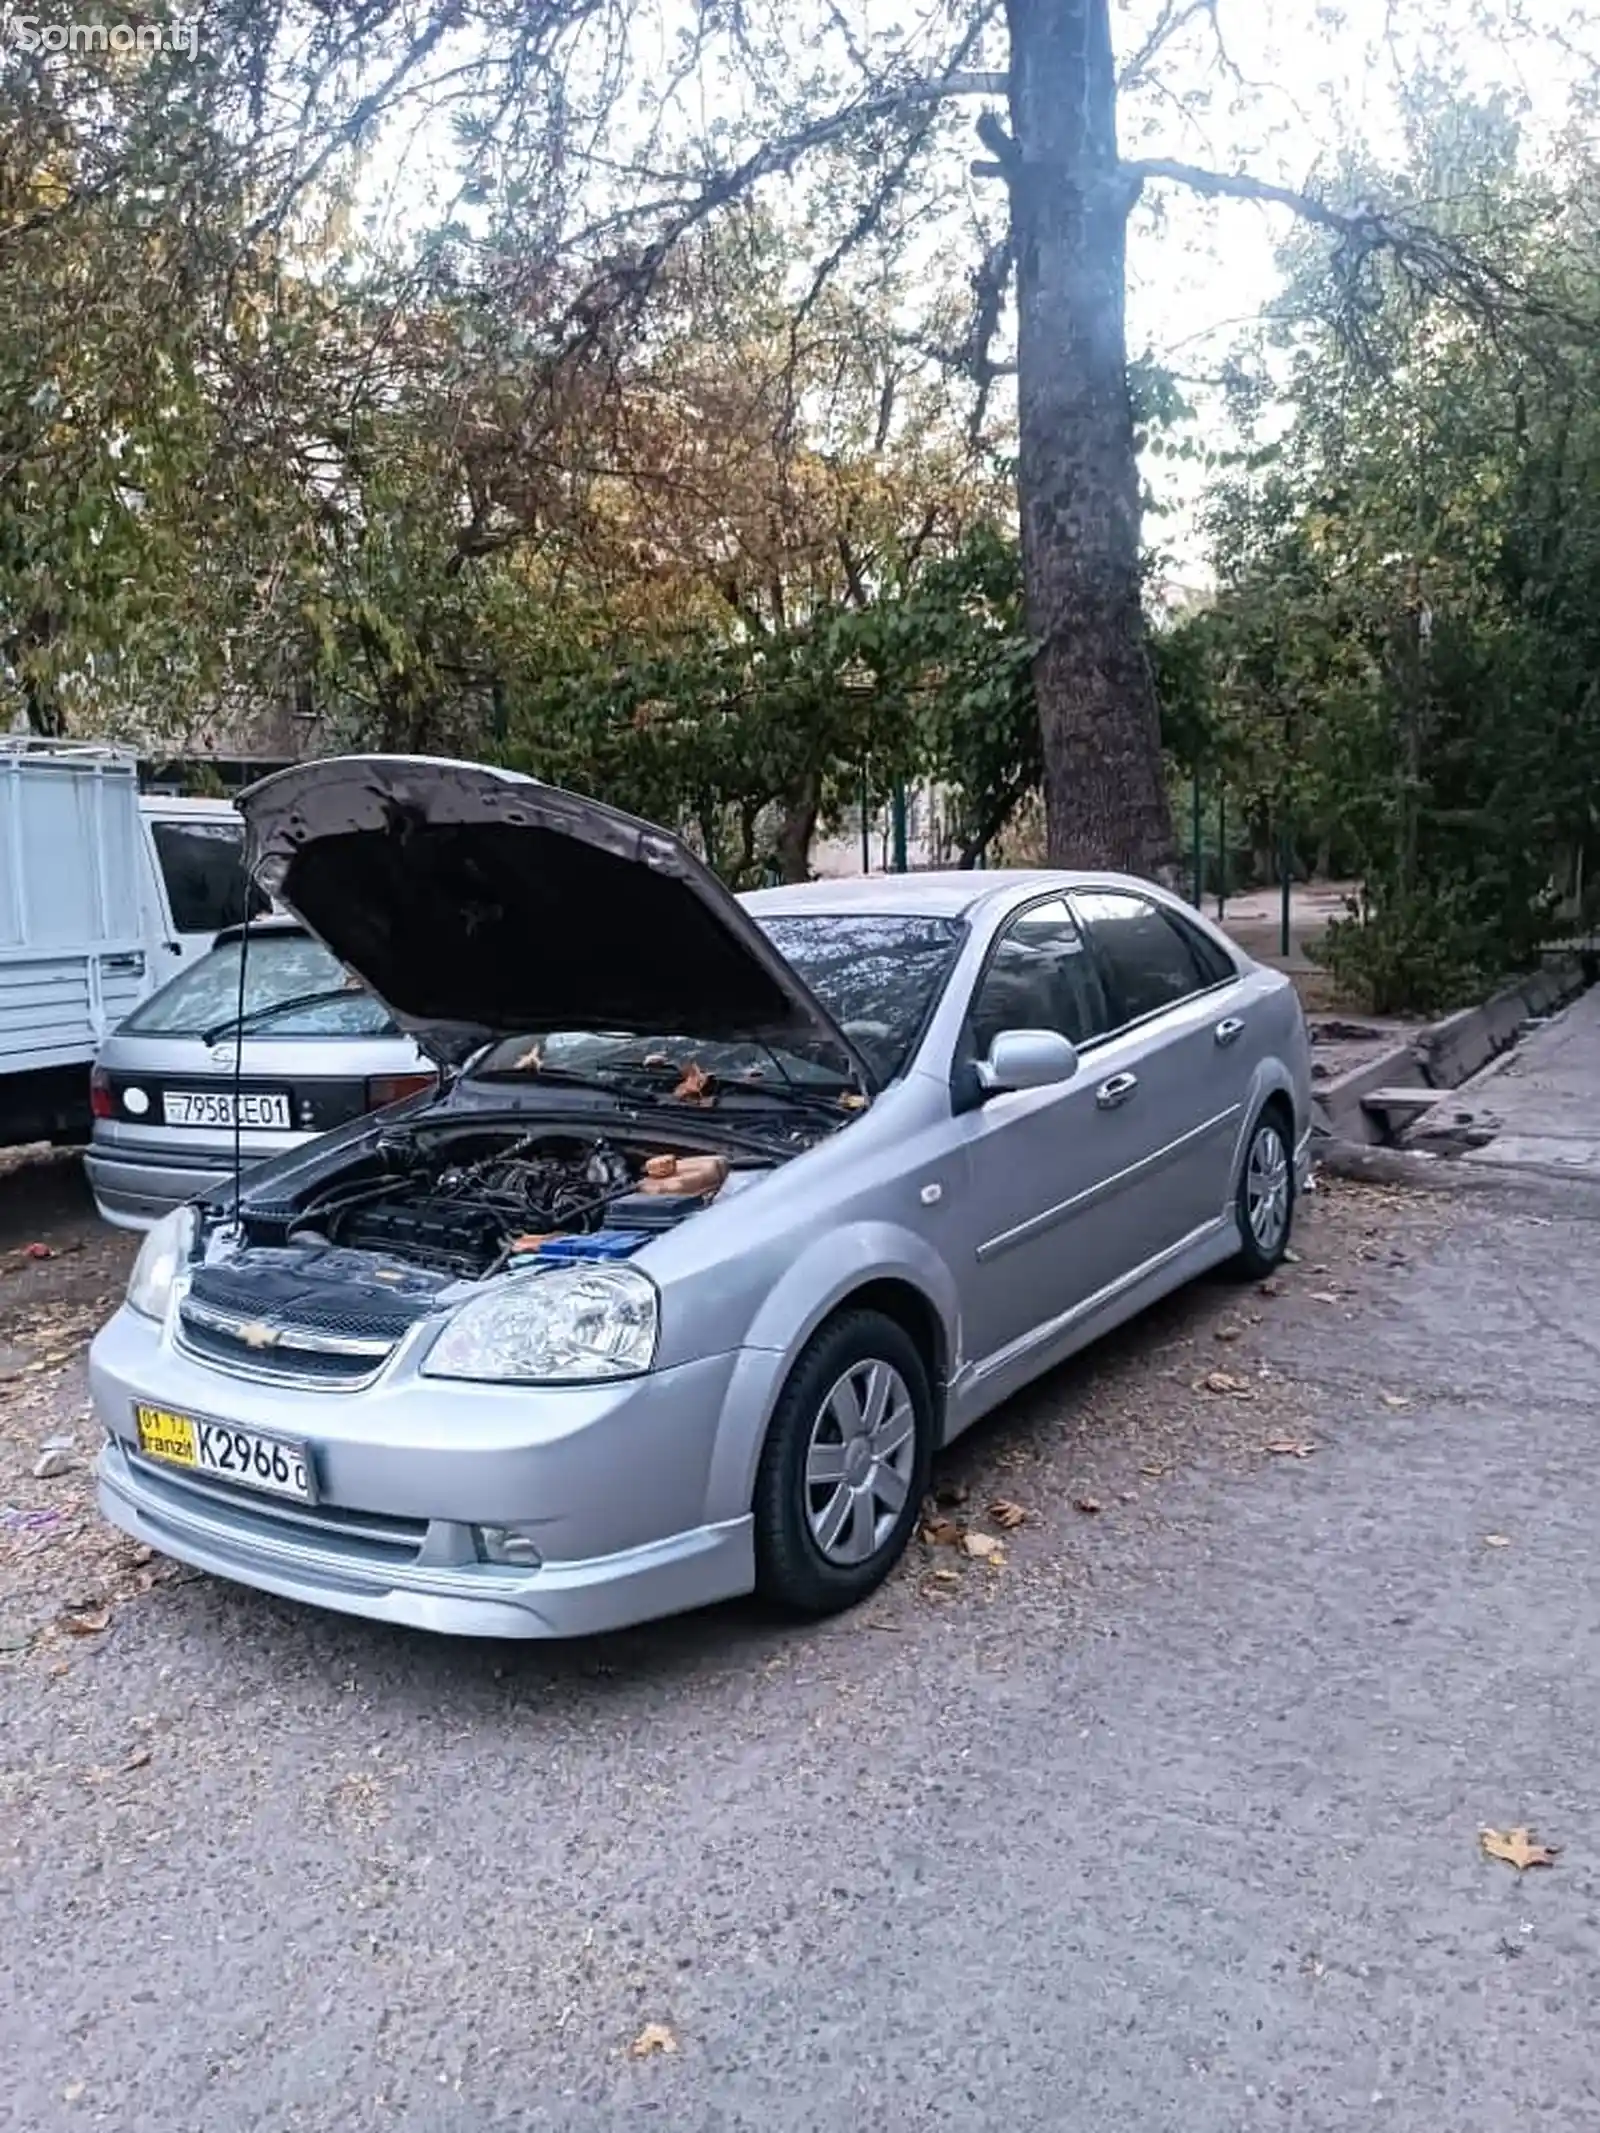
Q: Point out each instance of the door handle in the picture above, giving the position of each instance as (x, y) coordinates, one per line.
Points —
(1115, 1091)
(1228, 1029)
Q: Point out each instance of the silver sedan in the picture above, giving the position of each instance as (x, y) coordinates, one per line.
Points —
(312, 1051)
(730, 1213)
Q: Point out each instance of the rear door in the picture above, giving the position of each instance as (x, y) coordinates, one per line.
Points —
(1175, 1058)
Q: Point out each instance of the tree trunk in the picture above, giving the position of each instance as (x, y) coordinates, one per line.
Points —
(1077, 477)
(797, 829)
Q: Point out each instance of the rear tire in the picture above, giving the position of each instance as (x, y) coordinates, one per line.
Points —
(845, 1466)
(1264, 1204)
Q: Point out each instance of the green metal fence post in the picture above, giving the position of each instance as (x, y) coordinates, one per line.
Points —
(1199, 844)
(898, 820)
(1222, 852)
(866, 829)
(1285, 877)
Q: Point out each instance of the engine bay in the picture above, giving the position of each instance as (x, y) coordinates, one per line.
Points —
(466, 1203)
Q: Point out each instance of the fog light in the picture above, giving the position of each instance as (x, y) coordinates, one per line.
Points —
(508, 1544)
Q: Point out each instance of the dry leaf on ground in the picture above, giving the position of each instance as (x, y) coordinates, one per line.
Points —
(1223, 1381)
(1290, 1447)
(1497, 1540)
(1226, 1333)
(654, 2037)
(950, 1493)
(1007, 1515)
(138, 1759)
(1517, 1847)
(1395, 1399)
(1323, 1296)
(1088, 1504)
(939, 1532)
(984, 1547)
(1272, 1286)
(86, 1621)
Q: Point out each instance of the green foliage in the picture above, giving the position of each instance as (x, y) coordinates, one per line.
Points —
(1401, 663)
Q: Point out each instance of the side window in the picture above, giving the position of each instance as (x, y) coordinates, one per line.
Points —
(203, 865)
(1150, 962)
(1039, 977)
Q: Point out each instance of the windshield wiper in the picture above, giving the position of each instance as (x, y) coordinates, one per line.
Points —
(326, 998)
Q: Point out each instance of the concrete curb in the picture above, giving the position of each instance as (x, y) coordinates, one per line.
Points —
(1446, 1054)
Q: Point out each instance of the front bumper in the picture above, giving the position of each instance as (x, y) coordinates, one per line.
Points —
(615, 1483)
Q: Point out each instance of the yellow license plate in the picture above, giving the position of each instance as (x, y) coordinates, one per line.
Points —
(279, 1465)
(166, 1436)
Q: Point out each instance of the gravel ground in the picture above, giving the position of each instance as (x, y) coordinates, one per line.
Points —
(1167, 1820)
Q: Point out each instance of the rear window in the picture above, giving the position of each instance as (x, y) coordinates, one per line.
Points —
(281, 969)
(202, 864)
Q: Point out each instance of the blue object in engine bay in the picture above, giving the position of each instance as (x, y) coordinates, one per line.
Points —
(598, 1244)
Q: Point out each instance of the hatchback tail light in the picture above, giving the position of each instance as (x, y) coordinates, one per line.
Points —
(385, 1089)
(101, 1103)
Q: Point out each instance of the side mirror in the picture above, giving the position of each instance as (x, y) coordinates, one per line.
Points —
(1027, 1059)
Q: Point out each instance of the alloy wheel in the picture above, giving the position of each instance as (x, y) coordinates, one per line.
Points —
(859, 1462)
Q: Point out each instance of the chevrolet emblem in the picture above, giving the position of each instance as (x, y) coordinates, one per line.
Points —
(258, 1334)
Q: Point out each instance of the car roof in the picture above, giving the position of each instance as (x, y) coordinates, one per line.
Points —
(940, 893)
(273, 922)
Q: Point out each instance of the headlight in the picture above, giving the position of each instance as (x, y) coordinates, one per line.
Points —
(161, 1255)
(554, 1328)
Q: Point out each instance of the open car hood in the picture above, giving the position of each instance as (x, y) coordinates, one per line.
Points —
(479, 903)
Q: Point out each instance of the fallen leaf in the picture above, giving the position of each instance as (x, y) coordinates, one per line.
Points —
(852, 1100)
(73, 2090)
(87, 1622)
(51, 1465)
(1272, 1286)
(944, 1577)
(983, 1546)
(1323, 1296)
(530, 1062)
(1224, 1381)
(1292, 1257)
(38, 1251)
(1007, 1515)
(1517, 1847)
(138, 1759)
(1227, 1333)
(1087, 1503)
(1156, 1473)
(939, 1532)
(950, 1493)
(654, 2037)
(1290, 1447)
(1497, 1540)
(696, 1086)
(1395, 1399)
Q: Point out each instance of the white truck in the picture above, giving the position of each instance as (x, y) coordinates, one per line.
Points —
(104, 895)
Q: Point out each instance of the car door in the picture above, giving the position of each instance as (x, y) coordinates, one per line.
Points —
(1173, 1059)
(1045, 1232)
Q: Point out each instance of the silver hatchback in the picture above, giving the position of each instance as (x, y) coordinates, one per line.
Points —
(317, 1051)
(730, 1213)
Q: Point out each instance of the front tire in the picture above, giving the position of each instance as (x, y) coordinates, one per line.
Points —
(845, 1466)
(1265, 1203)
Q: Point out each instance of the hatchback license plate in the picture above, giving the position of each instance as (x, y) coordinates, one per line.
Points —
(242, 1456)
(214, 1107)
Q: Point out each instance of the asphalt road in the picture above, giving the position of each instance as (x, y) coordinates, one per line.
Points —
(1167, 1825)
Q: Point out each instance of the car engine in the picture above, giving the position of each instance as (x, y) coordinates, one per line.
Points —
(464, 1205)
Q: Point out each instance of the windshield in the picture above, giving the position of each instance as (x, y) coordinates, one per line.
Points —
(877, 974)
(282, 967)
